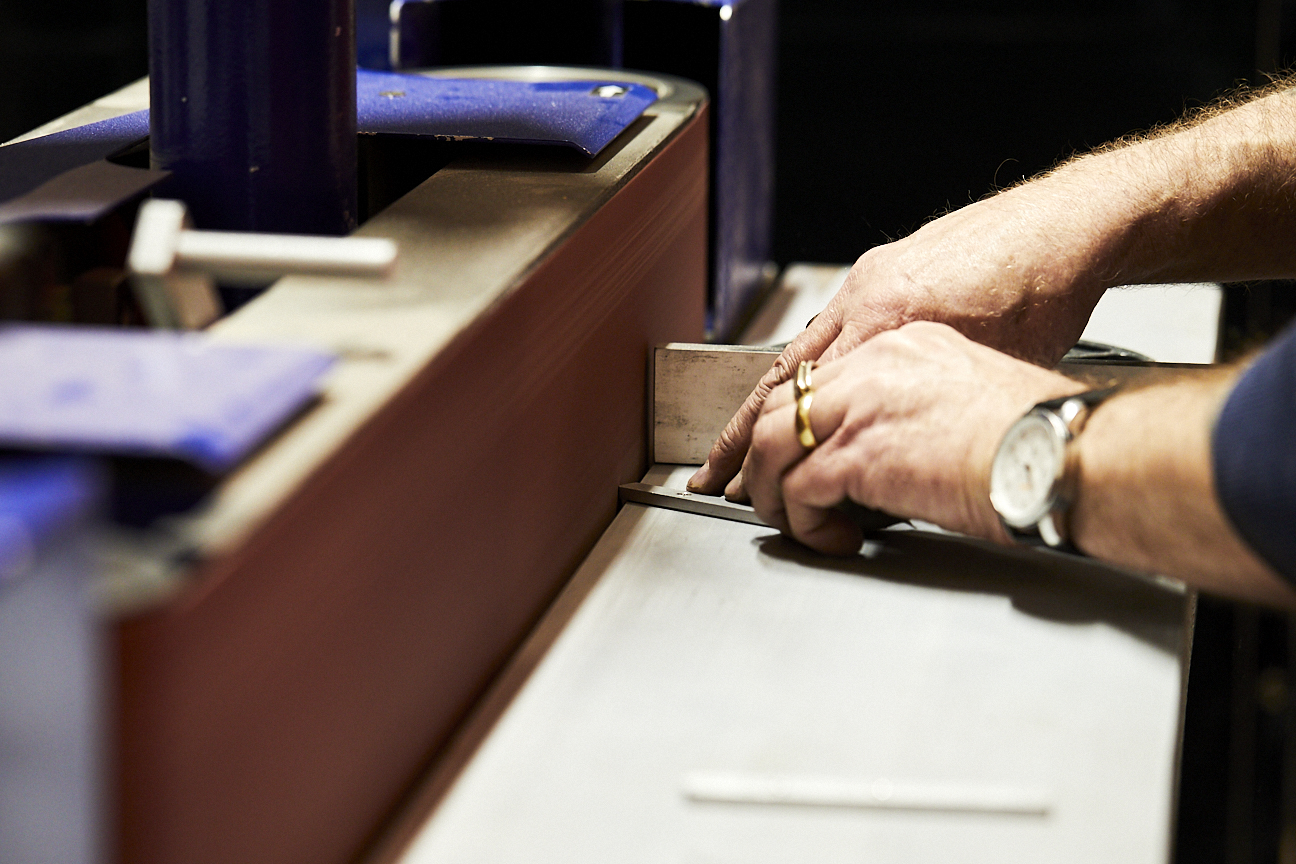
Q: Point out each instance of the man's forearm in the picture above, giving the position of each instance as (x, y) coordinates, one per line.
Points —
(1213, 200)
(1147, 499)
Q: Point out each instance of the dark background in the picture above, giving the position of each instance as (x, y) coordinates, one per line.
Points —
(888, 114)
(55, 57)
(885, 117)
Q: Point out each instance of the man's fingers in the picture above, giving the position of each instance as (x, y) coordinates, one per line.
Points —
(820, 376)
(737, 489)
(730, 448)
(779, 398)
(852, 335)
(775, 449)
(728, 452)
(824, 529)
(811, 492)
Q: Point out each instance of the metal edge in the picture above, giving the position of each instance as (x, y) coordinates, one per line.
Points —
(688, 502)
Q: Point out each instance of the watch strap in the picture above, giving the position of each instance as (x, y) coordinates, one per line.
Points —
(1033, 536)
(1089, 398)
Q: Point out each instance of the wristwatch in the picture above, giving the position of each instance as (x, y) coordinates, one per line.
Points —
(1033, 476)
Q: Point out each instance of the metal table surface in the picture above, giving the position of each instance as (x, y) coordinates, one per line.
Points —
(713, 692)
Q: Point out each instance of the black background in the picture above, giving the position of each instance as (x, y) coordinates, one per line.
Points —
(887, 117)
(888, 113)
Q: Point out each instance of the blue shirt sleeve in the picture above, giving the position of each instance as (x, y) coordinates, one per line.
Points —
(1254, 455)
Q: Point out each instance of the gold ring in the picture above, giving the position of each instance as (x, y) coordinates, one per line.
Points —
(804, 391)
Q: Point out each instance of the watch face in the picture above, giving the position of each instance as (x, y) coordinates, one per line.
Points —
(1028, 464)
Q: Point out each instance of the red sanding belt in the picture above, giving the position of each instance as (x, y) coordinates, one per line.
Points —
(278, 710)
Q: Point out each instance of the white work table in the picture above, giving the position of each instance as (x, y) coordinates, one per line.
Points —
(708, 659)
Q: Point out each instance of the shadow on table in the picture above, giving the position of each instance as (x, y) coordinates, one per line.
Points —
(1066, 589)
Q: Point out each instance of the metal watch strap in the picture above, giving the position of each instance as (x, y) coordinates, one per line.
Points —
(1089, 399)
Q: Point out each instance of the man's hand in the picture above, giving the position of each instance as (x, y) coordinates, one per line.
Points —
(1211, 201)
(907, 423)
(987, 270)
(909, 420)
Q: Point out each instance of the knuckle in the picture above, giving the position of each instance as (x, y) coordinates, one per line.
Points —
(764, 447)
(868, 258)
(760, 439)
(927, 328)
(889, 339)
(854, 333)
(730, 440)
(783, 369)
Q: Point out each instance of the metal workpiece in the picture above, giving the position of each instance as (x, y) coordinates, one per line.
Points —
(254, 111)
(688, 502)
(175, 267)
(868, 519)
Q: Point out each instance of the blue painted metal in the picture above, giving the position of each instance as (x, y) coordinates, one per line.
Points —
(254, 111)
(52, 713)
(744, 159)
(28, 164)
(578, 114)
(148, 393)
(63, 176)
(373, 33)
(728, 46)
(39, 499)
(81, 194)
